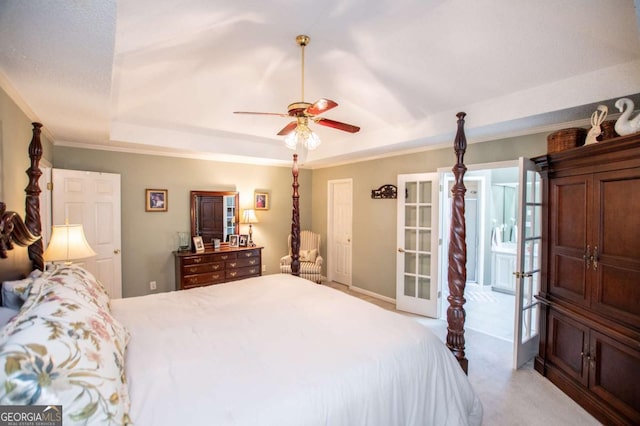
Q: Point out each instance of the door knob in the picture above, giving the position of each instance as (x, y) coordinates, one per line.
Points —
(116, 251)
(401, 250)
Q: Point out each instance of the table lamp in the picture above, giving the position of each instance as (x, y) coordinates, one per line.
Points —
(249, 216)
(68, 243)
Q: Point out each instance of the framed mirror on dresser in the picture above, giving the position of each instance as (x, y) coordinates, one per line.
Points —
(215, 216)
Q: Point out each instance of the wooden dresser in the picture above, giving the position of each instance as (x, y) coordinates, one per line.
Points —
(215, 267)
(590, 292)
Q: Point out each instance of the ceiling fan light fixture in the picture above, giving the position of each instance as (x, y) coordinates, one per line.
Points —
(304, 136)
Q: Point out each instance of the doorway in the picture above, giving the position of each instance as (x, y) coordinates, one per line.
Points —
(490, 214)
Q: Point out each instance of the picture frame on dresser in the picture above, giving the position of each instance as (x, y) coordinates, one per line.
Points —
(242, 240)
(234, 240)
(198, 244)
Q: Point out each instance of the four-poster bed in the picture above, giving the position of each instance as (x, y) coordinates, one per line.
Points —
(275, 349)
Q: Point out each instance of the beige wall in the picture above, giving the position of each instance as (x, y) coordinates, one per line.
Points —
(15, 136)
(149, 238)
(374, 221)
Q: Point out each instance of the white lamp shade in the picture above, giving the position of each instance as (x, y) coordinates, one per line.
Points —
(249, 216)
(68, 243)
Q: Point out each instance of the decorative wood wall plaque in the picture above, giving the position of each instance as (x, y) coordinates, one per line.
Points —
(385, 191)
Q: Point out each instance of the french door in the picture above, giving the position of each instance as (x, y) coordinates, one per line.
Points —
(527, 276)
(417, 260)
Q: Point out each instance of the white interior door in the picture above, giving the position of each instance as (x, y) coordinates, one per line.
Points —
(526, 330)
(340, 205)
(417, 260)
(93, 200)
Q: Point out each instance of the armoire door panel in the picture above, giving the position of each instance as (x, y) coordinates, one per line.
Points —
(568, 278)
(614, 374)
(567, 344)
(616, 294)
(569, 221)
(616, 289)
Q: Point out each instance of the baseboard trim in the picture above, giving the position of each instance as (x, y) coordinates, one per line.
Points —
(372, 294)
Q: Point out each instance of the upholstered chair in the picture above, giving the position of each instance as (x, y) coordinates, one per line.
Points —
(310, 259)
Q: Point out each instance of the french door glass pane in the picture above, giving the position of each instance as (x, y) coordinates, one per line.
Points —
(410, 285)
(410, 239)
(424, 237)
(412, 192)
(410, 219)
(424, 288)
(425, 216)
(410, 263)
(425, 264)
(425, 192)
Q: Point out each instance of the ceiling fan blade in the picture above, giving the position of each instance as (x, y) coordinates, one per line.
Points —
(320, 106)
(288, 128)
(279, 114)
(337, 125)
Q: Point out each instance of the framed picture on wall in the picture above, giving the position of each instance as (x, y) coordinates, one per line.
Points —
(156, 200)
(233, 240)
(261, 200)
(198, 244)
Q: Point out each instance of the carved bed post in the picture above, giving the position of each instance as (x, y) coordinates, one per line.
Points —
(32, 218)
(295, 222)
(457, 273)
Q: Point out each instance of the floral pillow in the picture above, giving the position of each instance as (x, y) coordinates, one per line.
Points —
(64, 349)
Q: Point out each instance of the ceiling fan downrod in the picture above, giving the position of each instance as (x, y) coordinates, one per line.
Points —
(302, 41)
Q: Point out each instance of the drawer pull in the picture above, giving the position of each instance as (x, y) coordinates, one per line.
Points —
(197, 260)
(215, 267)
(253, 271)
(193, 281)
(233, 265)
(225, 257)
(233, 274)
(252, 262)
(248, 254)
(193, 270)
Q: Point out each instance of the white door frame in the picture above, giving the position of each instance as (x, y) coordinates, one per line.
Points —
(331, 223)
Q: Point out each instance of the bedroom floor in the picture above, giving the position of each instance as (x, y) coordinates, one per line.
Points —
(509, 397)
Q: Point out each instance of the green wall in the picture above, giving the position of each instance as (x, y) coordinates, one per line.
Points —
(15, 136)
(148, 239)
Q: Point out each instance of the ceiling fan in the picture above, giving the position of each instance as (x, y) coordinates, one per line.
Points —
(298, 130)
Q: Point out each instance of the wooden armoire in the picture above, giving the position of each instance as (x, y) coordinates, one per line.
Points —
(590, 289)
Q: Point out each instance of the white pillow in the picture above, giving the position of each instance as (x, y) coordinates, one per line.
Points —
(14, 293)
(308, 255)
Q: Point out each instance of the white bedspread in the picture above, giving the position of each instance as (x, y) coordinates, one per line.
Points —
(280, 350)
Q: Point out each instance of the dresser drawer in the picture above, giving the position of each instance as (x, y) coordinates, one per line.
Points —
(249, 271)
(249, 253)
(199, 269)
(241, 263)
(202, 279)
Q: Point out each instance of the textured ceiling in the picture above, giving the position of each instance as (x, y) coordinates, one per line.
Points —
(166, 76)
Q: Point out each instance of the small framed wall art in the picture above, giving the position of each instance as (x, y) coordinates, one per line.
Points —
(261, 200)
(156, 200)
